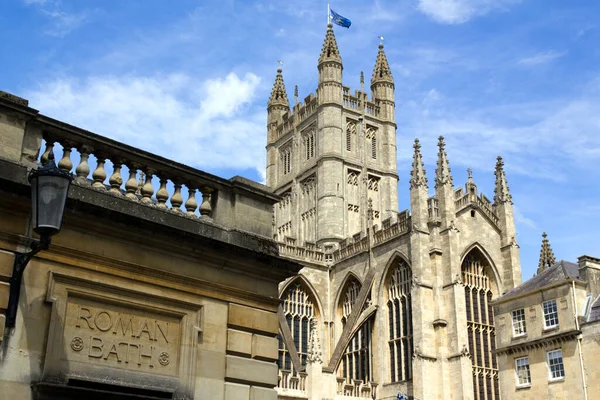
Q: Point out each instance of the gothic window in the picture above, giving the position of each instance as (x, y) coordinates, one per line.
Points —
(286, 160)
(349, 299)
(283, 216)
(371, 136)
(308, 210)
(357, 363)
(373, 188)
(299, 311)
(350, 135)
(353, 201)
(480, 326)
(309, 144)
(400, 322)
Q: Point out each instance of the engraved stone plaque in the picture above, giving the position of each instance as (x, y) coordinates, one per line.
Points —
(111, 334)
(117, 336)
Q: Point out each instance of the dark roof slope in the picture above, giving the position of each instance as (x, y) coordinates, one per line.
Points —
(560, 271)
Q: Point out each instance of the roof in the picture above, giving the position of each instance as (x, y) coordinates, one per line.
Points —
(560, 271)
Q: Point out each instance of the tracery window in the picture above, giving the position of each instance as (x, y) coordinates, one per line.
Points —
(309, 144)
(357, 361)
(400, 322)
(350, 135)
(480, 325)
(286, 160)
(353, 201)
(299, 311)
(371, 136)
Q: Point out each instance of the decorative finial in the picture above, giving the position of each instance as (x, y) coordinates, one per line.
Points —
(381, 72)
(547, 258)
(501, 189)
(442, 173)
(278, 93)
(418, 171)
(296, 95)
(470, 173)
(330, 49)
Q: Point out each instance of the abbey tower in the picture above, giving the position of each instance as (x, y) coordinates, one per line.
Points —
(388, 302)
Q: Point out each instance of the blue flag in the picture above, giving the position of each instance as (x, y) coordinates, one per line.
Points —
(339, 20)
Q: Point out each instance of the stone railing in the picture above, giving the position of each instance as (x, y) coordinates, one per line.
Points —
(355, 389)
(391, 229)
(125, 172)
(349, 247)
(352, 102)
(305, 253)
(372, 109)
(291, 385)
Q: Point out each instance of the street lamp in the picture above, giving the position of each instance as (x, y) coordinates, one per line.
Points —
(49, 190)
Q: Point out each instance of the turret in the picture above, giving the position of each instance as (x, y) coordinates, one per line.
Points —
(277, 106)
(330, 70)
(503, 207)
(444, 191)
(418, 190)
(382, 86)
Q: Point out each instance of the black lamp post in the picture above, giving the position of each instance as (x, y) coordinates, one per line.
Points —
(49, 189)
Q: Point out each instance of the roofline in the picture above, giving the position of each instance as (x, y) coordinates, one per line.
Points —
(502, 299)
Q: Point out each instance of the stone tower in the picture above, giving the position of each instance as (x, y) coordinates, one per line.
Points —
(399, 302)
(329, 155)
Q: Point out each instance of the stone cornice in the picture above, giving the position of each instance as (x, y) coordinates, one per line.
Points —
(539, 343)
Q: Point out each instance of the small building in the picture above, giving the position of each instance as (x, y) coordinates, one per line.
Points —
(548, 331)
(140, 296)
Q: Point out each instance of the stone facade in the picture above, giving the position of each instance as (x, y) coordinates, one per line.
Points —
(135, 298)
(400, 301)
(549, 332)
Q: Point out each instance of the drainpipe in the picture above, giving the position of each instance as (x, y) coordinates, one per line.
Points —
(579, 338)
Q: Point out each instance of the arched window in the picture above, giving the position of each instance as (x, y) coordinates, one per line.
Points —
(309, 144)
(357, 361)
(480, 325)
(299, 311)
(350, 135)
(371, 136)
(400, 322)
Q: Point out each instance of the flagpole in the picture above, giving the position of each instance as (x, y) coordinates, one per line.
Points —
(328, 14)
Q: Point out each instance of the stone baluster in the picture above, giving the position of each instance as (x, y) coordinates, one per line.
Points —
(99, 174)
(162, 195)
(206, 207)
(191, 204)
(176, 199)
(147, 189)
(83, 169)
(115, 179)
(131, 184)
(49, 147)
(65, 162)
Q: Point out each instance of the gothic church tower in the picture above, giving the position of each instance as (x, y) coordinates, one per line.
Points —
(329, 155)
(388, 302)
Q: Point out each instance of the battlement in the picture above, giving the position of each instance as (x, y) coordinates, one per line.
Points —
(462, 201)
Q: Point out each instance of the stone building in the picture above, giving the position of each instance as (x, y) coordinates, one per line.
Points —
(548, 340)
(135, 298)
(388, 302)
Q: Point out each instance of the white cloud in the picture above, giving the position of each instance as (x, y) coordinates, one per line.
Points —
(537, 139)
(61, 22)
(202, 124)
(541, 58)
(460, 11)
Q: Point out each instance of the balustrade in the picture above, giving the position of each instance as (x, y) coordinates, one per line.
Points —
(154, 173)
(291, 384)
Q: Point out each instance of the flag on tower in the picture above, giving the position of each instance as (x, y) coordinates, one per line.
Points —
(339, 20)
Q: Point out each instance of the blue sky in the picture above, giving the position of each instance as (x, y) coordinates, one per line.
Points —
(189, 80)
